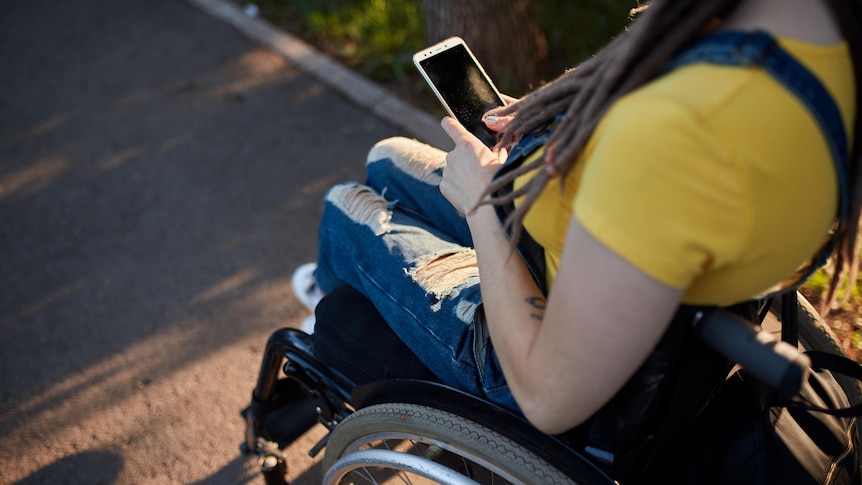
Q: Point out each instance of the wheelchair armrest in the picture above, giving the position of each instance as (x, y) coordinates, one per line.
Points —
(778, 365)
(295, 346)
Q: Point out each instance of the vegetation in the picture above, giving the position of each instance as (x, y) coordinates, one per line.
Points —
(846, 320)
(377, 38)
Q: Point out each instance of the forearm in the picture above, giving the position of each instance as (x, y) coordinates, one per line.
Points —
(556, 360)
(514, 305)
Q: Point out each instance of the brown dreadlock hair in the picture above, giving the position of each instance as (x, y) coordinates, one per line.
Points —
(632, 59)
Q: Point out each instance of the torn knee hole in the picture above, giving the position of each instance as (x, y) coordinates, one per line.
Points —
(441, 275)
(363, 205)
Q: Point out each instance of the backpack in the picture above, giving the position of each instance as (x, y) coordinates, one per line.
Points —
(747, 435)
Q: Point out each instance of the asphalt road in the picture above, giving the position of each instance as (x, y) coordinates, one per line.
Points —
(161, 175)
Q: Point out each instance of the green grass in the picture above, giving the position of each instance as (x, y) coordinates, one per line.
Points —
(820, 280)
(377, 38)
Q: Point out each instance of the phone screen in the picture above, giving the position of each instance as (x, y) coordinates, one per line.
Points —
(464, 88)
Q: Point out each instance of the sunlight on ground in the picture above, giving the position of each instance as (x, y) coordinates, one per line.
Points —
(225, 287)
(146, 400)
(33, 177)
(122, 157)
(259, 68)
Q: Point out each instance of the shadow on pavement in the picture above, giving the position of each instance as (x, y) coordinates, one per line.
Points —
(90, 467)
(160, 178)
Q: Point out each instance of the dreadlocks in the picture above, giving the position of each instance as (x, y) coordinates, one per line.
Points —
(848, 14)
(635, 57)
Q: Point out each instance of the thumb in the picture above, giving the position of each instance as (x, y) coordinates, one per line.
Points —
(453, 128)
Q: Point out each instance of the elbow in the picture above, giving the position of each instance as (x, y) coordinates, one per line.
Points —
(550, 418)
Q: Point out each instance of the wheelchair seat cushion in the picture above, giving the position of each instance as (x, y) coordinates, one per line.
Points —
(352, 338)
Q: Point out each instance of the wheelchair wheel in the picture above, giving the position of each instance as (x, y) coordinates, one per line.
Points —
(815, 334)
(448, 448)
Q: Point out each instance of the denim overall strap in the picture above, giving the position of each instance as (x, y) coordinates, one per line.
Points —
(759, 49)
(523, 149)
(528, 249)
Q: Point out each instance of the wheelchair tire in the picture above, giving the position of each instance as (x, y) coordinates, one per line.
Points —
(815, 334)
(473, 451)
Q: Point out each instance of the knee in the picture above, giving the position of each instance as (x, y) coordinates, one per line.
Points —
(391, 148)
(446, 274)
(412, 157)
(362, 205)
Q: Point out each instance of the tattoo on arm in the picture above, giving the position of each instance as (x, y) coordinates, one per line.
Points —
(538, 303)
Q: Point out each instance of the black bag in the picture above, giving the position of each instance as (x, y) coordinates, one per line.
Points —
(747, 436)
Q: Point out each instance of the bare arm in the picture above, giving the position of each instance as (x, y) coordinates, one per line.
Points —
(604, 316)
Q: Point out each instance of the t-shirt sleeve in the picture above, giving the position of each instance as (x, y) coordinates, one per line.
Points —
(661, 192)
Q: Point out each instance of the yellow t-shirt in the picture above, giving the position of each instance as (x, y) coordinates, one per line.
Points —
(711, 179)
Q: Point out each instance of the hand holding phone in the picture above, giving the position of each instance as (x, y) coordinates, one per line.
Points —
(461, 85)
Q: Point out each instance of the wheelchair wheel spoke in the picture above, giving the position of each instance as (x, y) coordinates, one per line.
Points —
(429, 450)
(467, 470)
(366, 475)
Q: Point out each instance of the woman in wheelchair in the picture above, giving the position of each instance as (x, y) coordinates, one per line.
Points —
(664, 174)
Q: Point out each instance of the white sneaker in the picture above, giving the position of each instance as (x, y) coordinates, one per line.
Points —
(307, 325)
(305, 286)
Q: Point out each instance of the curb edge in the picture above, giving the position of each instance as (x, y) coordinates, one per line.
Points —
(363, 92)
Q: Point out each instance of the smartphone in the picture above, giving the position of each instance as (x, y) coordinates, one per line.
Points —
(461, 84)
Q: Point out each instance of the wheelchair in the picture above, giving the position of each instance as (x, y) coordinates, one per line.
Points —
(408, 430)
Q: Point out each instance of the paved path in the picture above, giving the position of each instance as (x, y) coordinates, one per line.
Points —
(161, 174)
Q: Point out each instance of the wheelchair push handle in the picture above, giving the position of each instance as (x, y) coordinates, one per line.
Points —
(778, 365)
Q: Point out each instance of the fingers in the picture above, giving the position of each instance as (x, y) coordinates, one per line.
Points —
(497, 123)
(502, 154)
(453, 128)
(508, 99)
(465, 139)
(460, 135)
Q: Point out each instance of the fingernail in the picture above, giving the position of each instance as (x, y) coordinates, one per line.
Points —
(492, 120)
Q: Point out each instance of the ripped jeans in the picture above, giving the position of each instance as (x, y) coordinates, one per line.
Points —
(398, 241)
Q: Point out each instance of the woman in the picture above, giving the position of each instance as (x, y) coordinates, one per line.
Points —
(650, 191)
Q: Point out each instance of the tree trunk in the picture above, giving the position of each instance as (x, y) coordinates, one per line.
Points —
(503, 34)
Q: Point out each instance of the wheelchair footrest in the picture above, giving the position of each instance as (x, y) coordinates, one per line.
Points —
(281, 420)
(288, 423)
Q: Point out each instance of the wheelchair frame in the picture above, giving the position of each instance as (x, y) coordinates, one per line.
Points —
(334, 398)
(283, 408)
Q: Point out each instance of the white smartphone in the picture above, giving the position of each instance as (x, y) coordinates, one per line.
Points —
(460, 83)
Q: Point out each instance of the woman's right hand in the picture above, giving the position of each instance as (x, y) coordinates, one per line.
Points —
(469, 167)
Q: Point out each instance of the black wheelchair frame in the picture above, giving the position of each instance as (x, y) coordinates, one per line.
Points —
(334, 398)
(285, 406)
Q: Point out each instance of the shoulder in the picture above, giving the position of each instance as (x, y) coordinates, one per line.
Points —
(685, 175)
(660, 187)
(723, 97)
